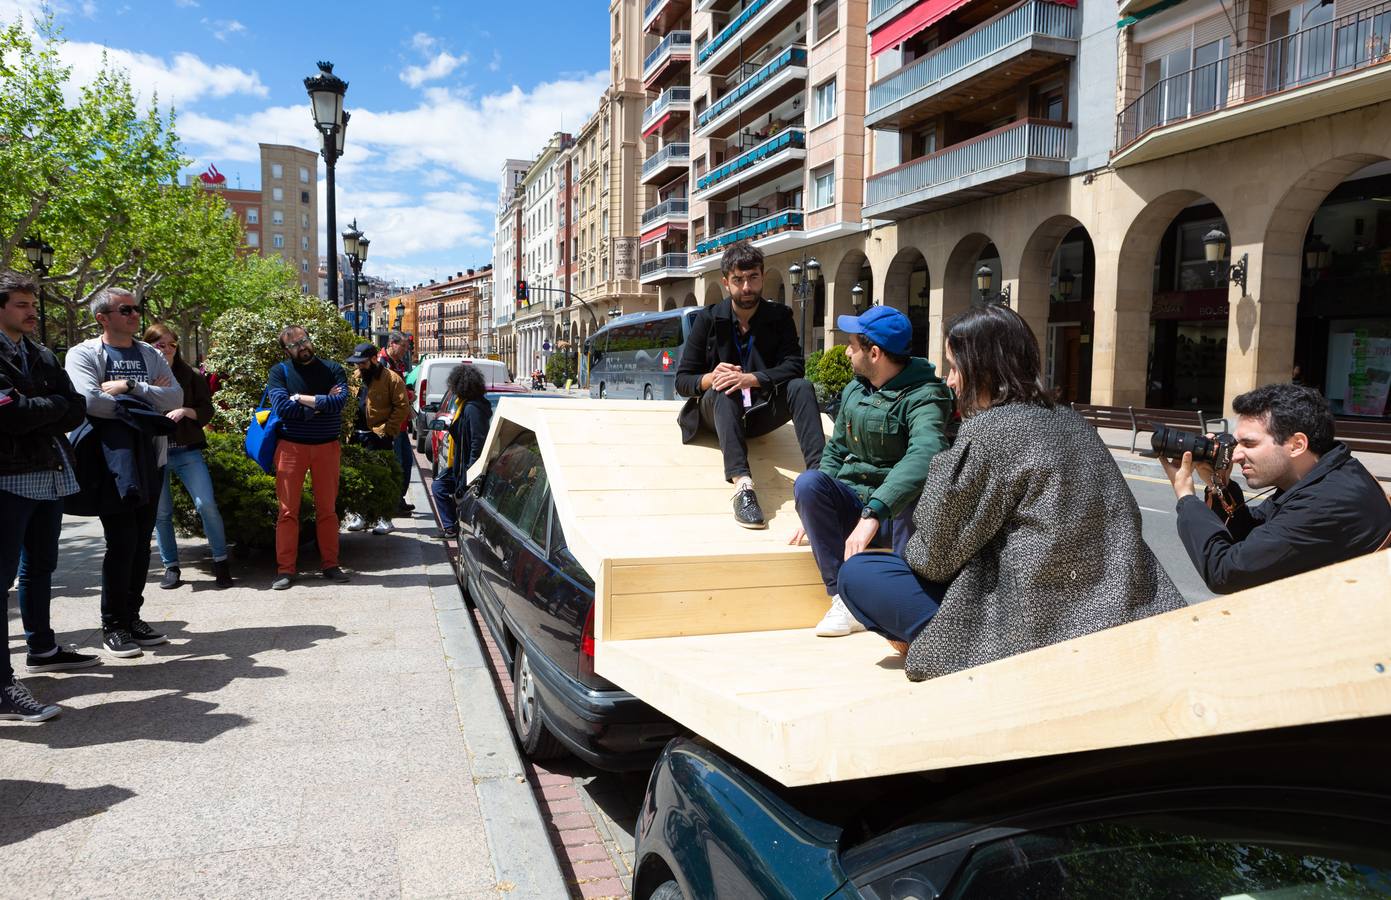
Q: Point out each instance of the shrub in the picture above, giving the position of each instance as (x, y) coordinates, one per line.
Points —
(833, 371)
(560, 368)
(368, 484)
(813, 364)
(243, 348)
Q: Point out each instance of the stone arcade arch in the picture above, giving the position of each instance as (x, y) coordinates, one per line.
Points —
(853, 268)
(690, 300)
(1057, 289)
(907, 288)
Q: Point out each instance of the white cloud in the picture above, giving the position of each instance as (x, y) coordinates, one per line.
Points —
(223, 28)
(89, 9)
(438, 67)
(185, 4)
(181, 79)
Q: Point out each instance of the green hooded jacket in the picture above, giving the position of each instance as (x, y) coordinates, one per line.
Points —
(885, 439)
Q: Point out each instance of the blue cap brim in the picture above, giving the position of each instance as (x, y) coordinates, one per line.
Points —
(850, 324)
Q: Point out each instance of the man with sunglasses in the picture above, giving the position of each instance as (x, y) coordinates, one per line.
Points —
(102, 369)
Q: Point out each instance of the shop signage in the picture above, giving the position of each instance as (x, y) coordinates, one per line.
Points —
(1189, 306)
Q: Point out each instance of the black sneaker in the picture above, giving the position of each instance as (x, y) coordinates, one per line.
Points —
(282, 582)
(222, 571)
(144, 635)
(117, 642)
(171, 579)
(451, 532)
(60, 660)
(18, 704)
(747, 512)
(336, 573)
(404, 509)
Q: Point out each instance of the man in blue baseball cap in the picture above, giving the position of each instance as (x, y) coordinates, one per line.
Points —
(891, 423)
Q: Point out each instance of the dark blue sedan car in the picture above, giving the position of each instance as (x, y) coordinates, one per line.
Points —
(539, 604)
(1293, 813)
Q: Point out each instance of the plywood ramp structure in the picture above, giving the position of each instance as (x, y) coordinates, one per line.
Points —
(711, 624)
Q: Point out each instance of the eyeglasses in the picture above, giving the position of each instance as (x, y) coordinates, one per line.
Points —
(302, 342)
(129, 310)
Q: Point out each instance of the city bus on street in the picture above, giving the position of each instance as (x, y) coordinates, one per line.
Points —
(636, 356)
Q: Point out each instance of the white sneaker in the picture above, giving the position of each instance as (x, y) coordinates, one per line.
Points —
(383, 526)
(837, 622)
(354, 522)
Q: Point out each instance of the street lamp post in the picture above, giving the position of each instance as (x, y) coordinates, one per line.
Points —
(984, 280)
(804, 276)
(355, 248)
(326, 92)
(40, 256)
(1215, 250)
(358, 282)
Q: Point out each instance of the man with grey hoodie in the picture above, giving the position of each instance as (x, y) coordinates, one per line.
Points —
(103, 369)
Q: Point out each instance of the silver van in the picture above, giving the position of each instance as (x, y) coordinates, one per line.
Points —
(637, 355)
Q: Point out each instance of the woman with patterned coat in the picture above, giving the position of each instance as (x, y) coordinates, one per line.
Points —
(1027, 534)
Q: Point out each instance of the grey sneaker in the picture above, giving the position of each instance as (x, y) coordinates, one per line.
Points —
(383, 526)
(282, 582)
(16, 703)
(354, 522)
(172, 578)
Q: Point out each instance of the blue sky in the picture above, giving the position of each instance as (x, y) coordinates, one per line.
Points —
(440, 95)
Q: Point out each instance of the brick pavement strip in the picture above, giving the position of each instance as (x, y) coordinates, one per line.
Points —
(328, 740)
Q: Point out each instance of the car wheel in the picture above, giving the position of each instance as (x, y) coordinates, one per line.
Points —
(536, 741)
(647, 392)
(603, 391)
(422, 438)
(667, 890)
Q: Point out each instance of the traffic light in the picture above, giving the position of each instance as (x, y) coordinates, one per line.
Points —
(521, 293)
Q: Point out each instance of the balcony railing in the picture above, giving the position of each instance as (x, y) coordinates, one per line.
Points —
(727, 33)
(878, 7)
(673, 206)
(674, 40)
(651, 7)
(792, 56)
(1346, 44)
(664, 102)
(1025, 139)
(662, 263)
(783, 218)
(671, 154)
(1028, 18)
(775, 144)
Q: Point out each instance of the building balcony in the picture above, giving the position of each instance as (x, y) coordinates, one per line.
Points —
(1021, 153)
(671, 103)
(881, 12)
(768, 87)
(670, 212)
(773, 158)
(659, 15)
(1321, 70)
(758, 225)
(754, 26)
(666, 164)
(664, 268)
(674, 48)
(985, 61)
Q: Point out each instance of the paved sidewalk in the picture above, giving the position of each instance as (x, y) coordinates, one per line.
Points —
(329, 740)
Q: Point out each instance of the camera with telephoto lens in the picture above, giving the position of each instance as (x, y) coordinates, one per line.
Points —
(1171, 443)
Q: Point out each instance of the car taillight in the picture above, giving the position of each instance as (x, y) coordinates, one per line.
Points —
(587, 644)
(420, 389)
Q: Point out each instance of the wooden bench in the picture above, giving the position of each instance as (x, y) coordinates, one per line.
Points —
(1364, 435)
(1144, 419)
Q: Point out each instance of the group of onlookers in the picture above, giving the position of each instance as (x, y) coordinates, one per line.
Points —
(1020, 532)
(105, 433)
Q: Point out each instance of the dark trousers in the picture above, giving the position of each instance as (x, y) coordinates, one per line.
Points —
(405, 455)
(794, 401)
(830, 510)
(887, 596)
(126, 565)
(442, 489)
(29, 549)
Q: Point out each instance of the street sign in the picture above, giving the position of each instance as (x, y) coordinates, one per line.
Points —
(546, 345)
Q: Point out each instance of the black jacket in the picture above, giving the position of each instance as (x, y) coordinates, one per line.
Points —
(197, 397)
(117, 460)
(36, 412)
(1336, 512)
(711, 342)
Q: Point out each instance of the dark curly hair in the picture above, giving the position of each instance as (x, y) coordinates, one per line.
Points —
(743, 256)
(1289, 409)
(466, 382)
(999, 360)
(16, 283)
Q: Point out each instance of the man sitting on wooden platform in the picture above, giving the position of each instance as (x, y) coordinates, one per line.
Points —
(742, 368)
(1326, 507)
(891, 423)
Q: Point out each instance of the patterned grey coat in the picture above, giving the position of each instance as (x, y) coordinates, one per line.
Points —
(1028, 519)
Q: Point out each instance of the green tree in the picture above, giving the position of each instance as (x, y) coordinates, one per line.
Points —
(560, 367)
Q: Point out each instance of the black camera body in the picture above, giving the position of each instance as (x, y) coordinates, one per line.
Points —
(1171, 443)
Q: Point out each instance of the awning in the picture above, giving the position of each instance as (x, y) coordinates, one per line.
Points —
(912, 21)
(656, 126)
(655, 234)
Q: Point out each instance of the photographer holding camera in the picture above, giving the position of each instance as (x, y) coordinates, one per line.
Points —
(1326, 507)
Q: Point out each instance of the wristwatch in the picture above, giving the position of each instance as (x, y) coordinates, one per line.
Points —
(868, 512)
(130, 385)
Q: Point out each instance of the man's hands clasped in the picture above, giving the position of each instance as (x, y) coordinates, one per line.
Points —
(730, 378)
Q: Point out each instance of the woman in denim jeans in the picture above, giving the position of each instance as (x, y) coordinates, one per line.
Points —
(186, 460)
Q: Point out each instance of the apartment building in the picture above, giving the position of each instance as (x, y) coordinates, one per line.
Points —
(666, 129)
(544, 249)
(457, 305)
(507, 257)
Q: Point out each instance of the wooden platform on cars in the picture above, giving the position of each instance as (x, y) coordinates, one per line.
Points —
(711, 625)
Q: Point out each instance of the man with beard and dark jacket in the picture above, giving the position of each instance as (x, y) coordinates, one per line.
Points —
(742, 370)
(38, 406)
(383, 406)
(1326, 507)
(890, 425)
(123, 380)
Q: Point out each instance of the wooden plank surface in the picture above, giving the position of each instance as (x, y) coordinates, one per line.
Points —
(806, 710)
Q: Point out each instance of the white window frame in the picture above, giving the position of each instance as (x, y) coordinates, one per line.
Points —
(277, 217)
(277, 241)
(824, 99)
(253, 215)
(304, 174)
(277, 170)
(826, 175)
(277, 194)
(253, 239)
